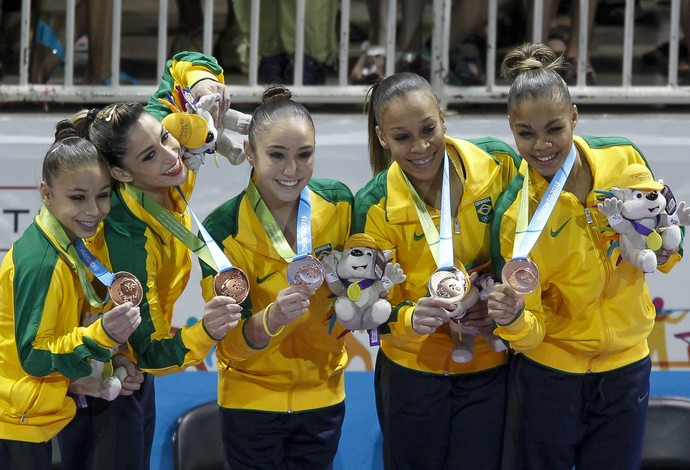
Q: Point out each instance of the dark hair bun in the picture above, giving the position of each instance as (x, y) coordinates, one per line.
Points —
(528, 57)
(276, 93)
(65, 129)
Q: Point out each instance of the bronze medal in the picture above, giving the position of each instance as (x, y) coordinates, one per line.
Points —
(232, 283)
(307, 271)
(126, 288)
(521, 274)
(449, 283)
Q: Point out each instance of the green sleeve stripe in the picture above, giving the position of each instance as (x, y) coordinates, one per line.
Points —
(331, 190)
(167, 84)
(35, 261)
(492, 146)
(370, 195)
(126, 238)
(503, 203)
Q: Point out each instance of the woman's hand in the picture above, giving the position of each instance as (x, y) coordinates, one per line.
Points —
(430, 313)
(121, 321)
(208, 86)
(504, 304)
(291, 303)
(221, 314)
(134, 378)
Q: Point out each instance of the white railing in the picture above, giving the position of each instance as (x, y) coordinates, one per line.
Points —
(342, 92)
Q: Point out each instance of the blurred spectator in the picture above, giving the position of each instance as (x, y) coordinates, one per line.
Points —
(230, 48)
(9, 35)
(277, 38)
(371, 64)
(560, 31)
(93, 19)
(466, 45)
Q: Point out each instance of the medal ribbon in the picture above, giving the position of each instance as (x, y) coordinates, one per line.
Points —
(53, 226)
(526, 235)
(167, 220)
(441, 245)
(221, 262)
(92, 263)
(303, 234)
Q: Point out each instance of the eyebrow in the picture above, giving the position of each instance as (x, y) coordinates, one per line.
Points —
(550, 123)
(423, 122)
(84, 190)
(151, 147)
(283, 147)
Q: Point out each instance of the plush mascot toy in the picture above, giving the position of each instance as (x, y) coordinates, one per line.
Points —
(192, 125)
(358, 276)
(464, 335)
(639, 211)
(104, 382)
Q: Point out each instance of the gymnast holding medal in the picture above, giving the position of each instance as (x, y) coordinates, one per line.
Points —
(148, 234)
(281, 384)
(577, 319)
(45, 289)
(431, 202)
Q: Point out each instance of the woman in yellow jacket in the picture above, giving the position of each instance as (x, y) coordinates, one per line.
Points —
(581, 388)
(149, 210)
(434, 412)
(281, 385)
(44, 290)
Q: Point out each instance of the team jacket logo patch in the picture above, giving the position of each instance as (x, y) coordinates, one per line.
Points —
(485, 210)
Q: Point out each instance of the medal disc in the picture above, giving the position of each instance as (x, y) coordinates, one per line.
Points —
(232, 283)
(307, 271)
(354, 292)
(521, 274)
(654, 240)
(451, 284)
(126, 288)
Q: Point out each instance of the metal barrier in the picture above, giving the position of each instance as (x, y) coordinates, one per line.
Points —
(343, 92)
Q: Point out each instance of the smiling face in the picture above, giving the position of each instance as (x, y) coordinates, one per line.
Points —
(153, 160)
(79, 199)
(543, 131)
(412, 128)
(283, 160)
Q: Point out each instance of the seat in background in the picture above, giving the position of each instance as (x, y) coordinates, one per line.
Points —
(667, 436)
(197, 442)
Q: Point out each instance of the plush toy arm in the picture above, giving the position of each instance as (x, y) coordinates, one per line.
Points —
(330, 265)
(392, 274)
(97, 385)
(237, 121)
(485, 283)
(682, 214)
(231, 150)
(612, 208)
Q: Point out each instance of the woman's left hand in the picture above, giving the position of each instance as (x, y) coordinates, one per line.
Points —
(208, 87)
(134, 375)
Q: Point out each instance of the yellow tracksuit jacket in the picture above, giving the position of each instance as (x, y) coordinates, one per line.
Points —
(587, 314)
(385, 210)
(301, 368)
(42, 345)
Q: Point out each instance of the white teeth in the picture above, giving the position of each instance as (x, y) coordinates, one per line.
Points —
(546, 158)
(423, 162)
(174, 168)
(88, 224)
(289, 184)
